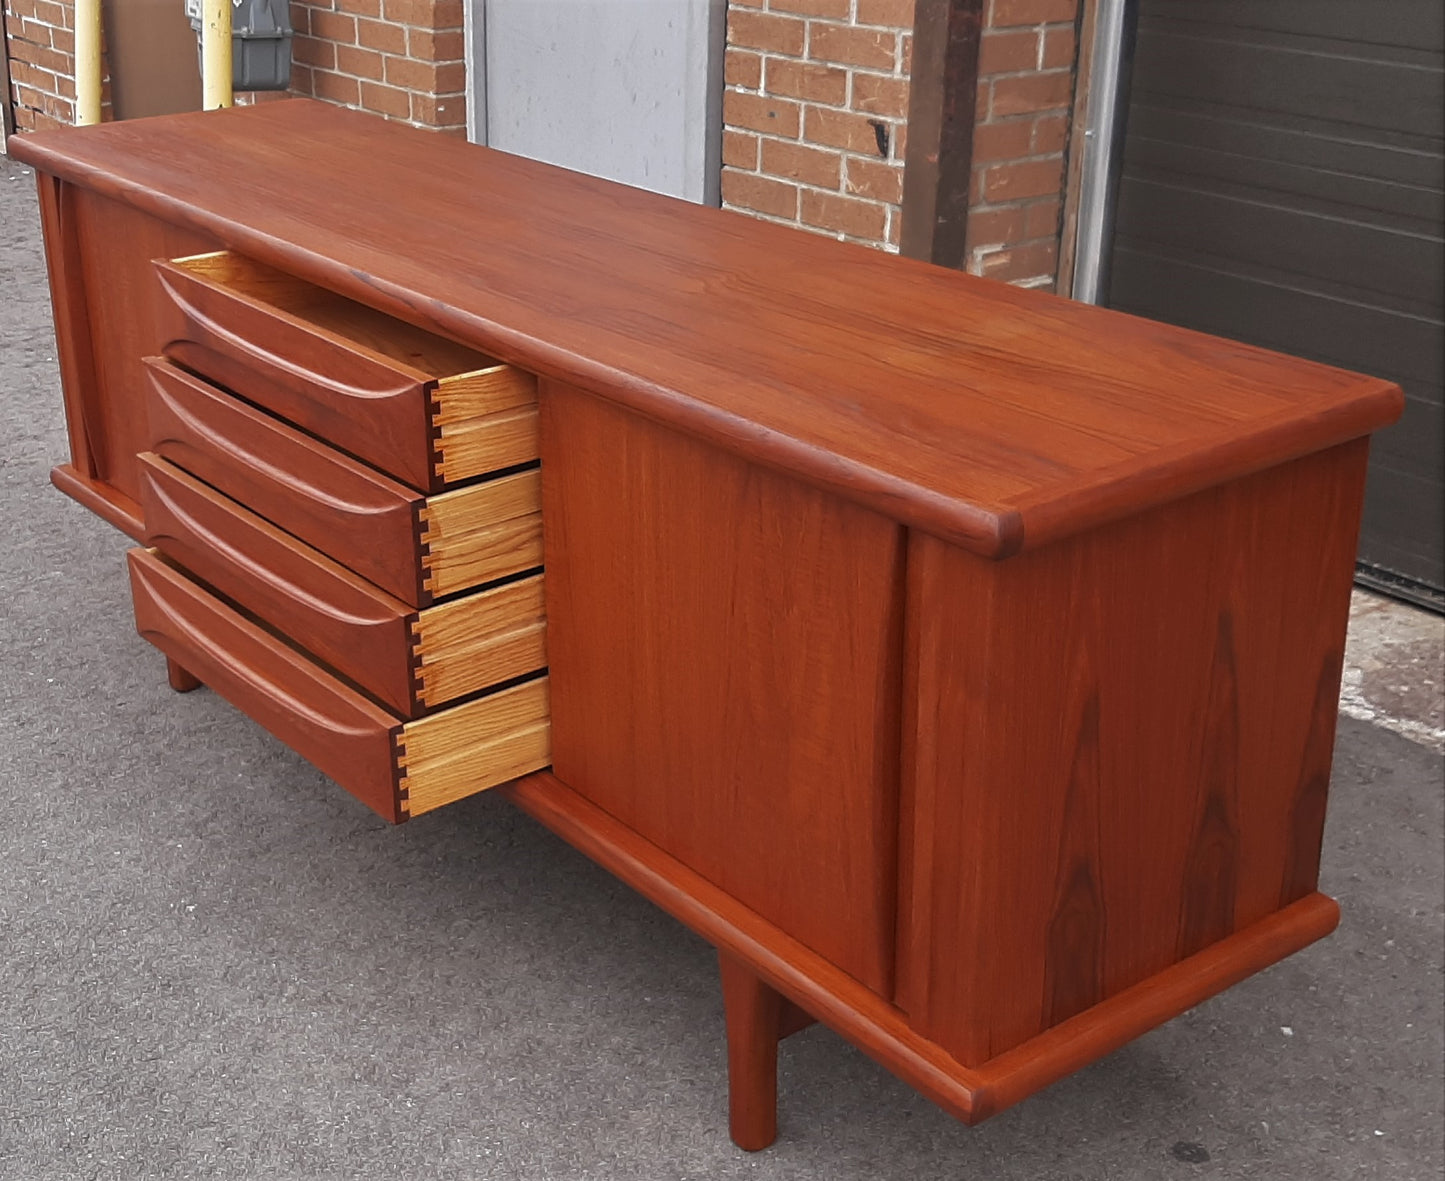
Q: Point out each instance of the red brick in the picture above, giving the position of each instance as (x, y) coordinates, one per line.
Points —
(1042, 219)
(1003, 13)
(448, 45)
(334, 26)
(42, 56)
(426, 14)
(1028, 178)
(1034, 261)
(745, 3)
(761, 113)
(336, 88)
(426, 77)
(362, 63)
(847, 215)
(301, 79)
(807, 80)
(740, 149)
(898, 141)
(759, 193)
(1009, 140)
(875, 94)
(385, 100)
(1051, 133)
(312, 51)
(741, 68)
(810, 166)
(896, 14)
(996, 227)
(385, 38)
(852, 47)
(1031, 92)
(63, 40)
(841, 129)
(1008, 52)
(907, 55)
(875, 180)
(1058, 48)
(761, 30)
(370, 8)
(895, 229)
(833, 9)
(439, 110)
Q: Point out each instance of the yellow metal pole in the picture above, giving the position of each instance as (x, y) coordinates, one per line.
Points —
(216, 54)
(87, 62)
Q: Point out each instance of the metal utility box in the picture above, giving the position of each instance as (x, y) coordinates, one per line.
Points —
(260, 42)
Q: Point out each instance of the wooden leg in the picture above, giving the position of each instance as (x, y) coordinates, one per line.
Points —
(757, 1019)
(180, 680)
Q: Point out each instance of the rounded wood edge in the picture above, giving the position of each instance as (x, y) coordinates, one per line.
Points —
(799, 974)
(110, 504)
(1073, 1044)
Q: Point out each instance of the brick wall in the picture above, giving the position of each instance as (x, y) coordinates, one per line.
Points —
(404, 59)
(42, 63)
(1026, 69)
(814, 114)
(400, 58)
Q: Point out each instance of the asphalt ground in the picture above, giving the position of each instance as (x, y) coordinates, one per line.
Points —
(215, 963)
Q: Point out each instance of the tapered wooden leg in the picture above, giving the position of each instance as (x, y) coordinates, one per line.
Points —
(180, 680)
(754, 1022)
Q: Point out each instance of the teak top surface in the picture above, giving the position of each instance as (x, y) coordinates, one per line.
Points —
(984, 414)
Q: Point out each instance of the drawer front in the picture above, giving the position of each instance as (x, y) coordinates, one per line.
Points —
(347, 510)
(415, 547)
(337, 729)
(398, 769)
(410, 660)
(376, 409)
(422, 408)
(362, 632)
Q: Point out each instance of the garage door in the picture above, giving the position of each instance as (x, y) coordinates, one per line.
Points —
(1282, 184)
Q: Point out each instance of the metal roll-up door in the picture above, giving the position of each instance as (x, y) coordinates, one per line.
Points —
(1282, 184)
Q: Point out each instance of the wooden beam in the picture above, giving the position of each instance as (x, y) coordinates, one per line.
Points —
(942, 99)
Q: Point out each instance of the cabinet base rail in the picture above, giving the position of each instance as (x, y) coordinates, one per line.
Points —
(751, 947)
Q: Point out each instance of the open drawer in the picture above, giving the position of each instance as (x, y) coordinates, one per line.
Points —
(423, 408)
(400, 769)
(419, 548)
(411, 660)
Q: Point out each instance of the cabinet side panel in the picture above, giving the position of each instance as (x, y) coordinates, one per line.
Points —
(112, 292)
(1120, 749)
(725, 652)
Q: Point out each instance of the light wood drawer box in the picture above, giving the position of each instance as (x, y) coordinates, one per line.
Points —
(419, 548)
(400, 769)
(418, 406)
(410, 660)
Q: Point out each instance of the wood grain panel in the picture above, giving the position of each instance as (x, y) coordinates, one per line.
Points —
(474, 746)
(337, 729)
(1121, 747)
(482, 532)
(107, 314)
(992, 417)
(467, 644)
(725, 651)
(347, 510)
(361, 632)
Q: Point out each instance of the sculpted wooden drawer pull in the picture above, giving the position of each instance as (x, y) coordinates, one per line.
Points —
(410, 660)
(416, 547)
(420, 407)
(399, 769)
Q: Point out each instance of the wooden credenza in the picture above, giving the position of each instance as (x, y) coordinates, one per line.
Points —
(960, 661)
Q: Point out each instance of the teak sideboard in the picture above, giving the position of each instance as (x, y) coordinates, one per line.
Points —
(960, 661)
